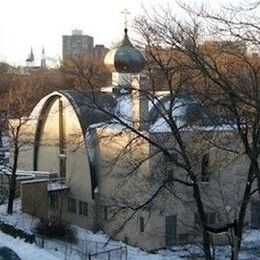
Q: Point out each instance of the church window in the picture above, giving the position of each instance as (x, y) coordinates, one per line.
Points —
(83, 208)
(72, 205)
(105, 211)
(53, 200)
(141, 224)
(205, 168)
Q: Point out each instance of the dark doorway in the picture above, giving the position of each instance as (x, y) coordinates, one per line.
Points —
(170, 230)
(255, 214)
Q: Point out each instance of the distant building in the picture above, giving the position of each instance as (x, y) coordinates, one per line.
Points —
(43, 59)
(30, 63)
(227, 45)
(30, 59)
(79, 45)
(100, 51)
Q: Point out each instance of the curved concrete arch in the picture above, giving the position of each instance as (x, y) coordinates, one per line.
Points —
(40, 113)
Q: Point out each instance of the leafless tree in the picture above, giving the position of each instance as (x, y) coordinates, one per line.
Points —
(225, 74)
(215, 72)
(21, 94)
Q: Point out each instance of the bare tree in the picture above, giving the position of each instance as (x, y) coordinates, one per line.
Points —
(225, 76)
(96, 74)
(22, 92)
(215, 72)
(178, 151)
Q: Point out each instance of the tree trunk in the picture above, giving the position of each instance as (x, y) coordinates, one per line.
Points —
(206, 236)
(12, 183)
(239, 225)
(257, 173)
(1, 138)
(12, 188)
(206, 245)
(236, 242)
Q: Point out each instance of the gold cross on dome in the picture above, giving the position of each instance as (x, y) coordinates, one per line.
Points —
(125, 12)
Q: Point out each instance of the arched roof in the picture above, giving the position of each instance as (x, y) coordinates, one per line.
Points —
(88, 105)
(88, 108)
(186, 110)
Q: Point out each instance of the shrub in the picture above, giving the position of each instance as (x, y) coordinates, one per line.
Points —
(16, 232)
(56, 229)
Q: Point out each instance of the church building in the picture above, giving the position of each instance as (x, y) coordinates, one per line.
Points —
(98, 163)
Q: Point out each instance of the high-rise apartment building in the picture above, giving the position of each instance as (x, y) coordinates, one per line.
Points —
(77, 45)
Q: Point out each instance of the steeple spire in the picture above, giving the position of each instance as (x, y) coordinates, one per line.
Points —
(30, 56)
(43, 59)
(30, 59)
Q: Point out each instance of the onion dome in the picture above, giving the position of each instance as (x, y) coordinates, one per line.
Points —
(125, 59)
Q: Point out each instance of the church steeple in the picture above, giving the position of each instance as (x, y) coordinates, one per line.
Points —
(30, 59)
(43, 59)
(30, 56)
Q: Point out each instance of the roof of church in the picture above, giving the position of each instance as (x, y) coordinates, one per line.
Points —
(95, 109)
(100, 109)
(89, 106)
(30, 56)
(186, 111)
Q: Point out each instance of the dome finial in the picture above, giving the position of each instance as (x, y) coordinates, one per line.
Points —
(125, 12)
(126, 58)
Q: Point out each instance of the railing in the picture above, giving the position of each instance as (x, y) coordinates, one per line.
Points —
(119, 253)
(84, 249)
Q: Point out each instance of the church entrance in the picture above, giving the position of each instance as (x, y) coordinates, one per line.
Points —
(170, 230)
(255, 214)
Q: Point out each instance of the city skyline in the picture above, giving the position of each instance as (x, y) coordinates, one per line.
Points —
(25, 24)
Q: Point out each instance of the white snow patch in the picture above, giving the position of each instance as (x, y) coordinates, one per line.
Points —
(25, 250)
(178, 111)
(55, 186)
(18, 219)
(124, 107)
(249, 250)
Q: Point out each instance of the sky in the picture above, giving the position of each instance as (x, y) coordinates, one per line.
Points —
(37, 23)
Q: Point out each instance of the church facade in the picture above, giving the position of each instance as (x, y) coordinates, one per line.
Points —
(97, 171)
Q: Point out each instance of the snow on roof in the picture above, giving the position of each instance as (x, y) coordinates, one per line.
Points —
(107, 89)
(34, 181)
(178, 108)
(21, 175)
(57, 186)
(35, 172)
(160, 125)
(124, 108)
(187, 112)
(223, 127)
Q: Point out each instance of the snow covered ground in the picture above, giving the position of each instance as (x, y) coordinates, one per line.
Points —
(250, 247)
(25, 250)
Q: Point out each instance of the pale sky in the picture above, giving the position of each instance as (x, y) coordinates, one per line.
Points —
(36, 23)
